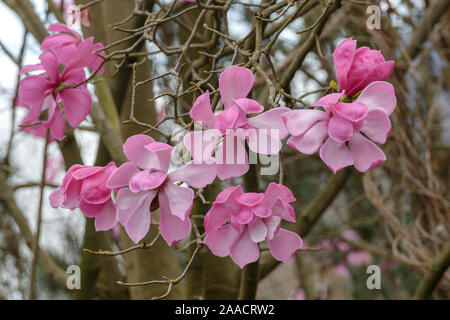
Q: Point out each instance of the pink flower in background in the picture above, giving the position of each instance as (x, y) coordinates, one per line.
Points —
(358, 258)
(70, 12)
(238, 221)
(349, 234)
(341, 270)
(84, 187)
(357, 68)
(343, 123)
(44, 92)
(229, 127)
(66, 44)
(300, 295)
(145, 183)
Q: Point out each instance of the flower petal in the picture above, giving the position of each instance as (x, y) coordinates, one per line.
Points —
(271, 120)
(121, 176)
(201, 110)
(299, 121)
(311, 140)
(231, 158)
(217, 216)
(221, 240)
(284, 245)
(138, 223)
(244, 250)
(366, 155)
(235, 82)
(106, 219)
(134, 149)
(180, 200)
(354, 111)
(195, 175)
(335, 155)
(163, 153)
(379, 94)
(377, 125)
(340, 129)
(249, 105)
(342, 58)
(77, 103)
(328, 101)
(257, 230)
(172, 228)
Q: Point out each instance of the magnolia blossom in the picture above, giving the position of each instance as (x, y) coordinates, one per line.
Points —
(66, 44)
(45, 91)
(84, 187)
(70, 11)
(229, 127)
(358, 258)
(357, 68)
(146, 184)
(238, 221)
(344, 124)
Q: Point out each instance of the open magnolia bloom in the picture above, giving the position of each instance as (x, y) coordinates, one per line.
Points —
(357, 68)
(84, 187)
(238, 221)
(344, 124)
(145, 184)
(227, 129)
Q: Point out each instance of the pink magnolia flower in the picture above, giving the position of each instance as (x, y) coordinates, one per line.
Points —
(358, 258)
(144, 190)
(357, 68)
(300, 295)
(343, 123)
(69, 11)
(229, 127)
(238, 221)
(66, 44)
(45, 91)
(84, 187)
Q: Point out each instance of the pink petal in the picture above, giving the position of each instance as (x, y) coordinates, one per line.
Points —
(85, 171)
(335, 155)
(90, 210)
(257, 230)
(277, 191)
(354, 111)
(134, 149)
(244, 250)
(61, 27)
(126, 199)
(235, 82)
(221, 240)
(202, 144)
(283, 210)
(153, 180)
(366, 155)
(172, 228)
(342, 58)
(284, 245)
(51, 65)
(299, 121)
(311, 140)
(231, 158)
(217, 216)
(57, 125)
(272, 225)
(271, 120)
(229, 119)
(77, 103)
(180, 200)
(379, 94)
(244, 216)
(379, 73)
(262, 211)
(33, 89)
(328, 101)
(249, 105)
(264, 141)
(138, 223)
(195, 175)
(227, 195)
(122, 175)
(163, 152)
(94, 189)
(201, 110)
(377, 125)
(340, 129)
(106, 219)
(250, 198)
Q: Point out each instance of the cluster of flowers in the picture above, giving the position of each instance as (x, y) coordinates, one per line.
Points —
(59, 91)
(237, 222)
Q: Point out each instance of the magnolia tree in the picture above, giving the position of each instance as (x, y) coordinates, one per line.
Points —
(214, 120)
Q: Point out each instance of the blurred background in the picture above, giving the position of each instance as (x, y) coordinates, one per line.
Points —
(396, 216)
